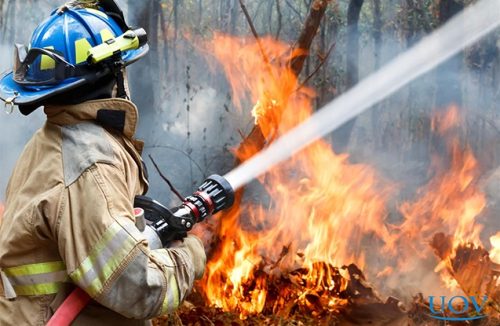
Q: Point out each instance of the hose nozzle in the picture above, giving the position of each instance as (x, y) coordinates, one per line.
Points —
(214, 195)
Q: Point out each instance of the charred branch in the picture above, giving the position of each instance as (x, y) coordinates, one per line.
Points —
(316, 14)
(255, 139)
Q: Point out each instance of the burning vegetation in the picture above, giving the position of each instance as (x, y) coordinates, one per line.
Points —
(310, 247)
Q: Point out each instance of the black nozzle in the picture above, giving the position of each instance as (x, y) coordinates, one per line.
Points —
(214, 195)
(220, 190)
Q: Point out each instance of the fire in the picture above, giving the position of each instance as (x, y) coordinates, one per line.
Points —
(495, 251)
(322, 206)
(322, 211)
(446, 209)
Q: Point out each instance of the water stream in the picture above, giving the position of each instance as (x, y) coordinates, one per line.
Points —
(465, 28)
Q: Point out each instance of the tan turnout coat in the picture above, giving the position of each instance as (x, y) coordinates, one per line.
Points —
(69, 221)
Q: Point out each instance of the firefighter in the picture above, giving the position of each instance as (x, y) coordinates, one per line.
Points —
(69, 218)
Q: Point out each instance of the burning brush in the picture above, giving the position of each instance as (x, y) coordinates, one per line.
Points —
(333, 215)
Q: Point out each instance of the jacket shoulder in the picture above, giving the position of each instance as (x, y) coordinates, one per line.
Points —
(83, 145)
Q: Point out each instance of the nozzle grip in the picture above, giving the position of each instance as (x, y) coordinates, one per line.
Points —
(212, 196)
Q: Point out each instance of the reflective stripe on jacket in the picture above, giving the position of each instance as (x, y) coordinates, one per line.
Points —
(37, 279)
(69, 220)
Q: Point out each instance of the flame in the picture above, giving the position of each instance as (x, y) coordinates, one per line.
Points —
(322, 206)
(495, 251)
(446, 208)
(321, 210)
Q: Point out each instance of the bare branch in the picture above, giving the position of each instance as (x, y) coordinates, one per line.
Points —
(171, 186)
(280, 18)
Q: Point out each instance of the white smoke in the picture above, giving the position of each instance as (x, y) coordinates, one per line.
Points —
(16, 129)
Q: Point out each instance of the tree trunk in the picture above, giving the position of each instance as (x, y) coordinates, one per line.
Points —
(377, 52)
(353, 13)
(318, 9)
(145, 74)
(280, 19)
(377, 32)
(200, 10)
(270, 5)
(235, 10)
(1, 15)
(449, 73)
(9, 26)
(342, 136)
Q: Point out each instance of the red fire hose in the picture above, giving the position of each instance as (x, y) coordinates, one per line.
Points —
(70, 308)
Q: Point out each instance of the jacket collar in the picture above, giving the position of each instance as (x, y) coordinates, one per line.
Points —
(115, 113)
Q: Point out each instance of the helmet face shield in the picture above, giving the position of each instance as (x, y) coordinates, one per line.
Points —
(50, 67)
(20, 53)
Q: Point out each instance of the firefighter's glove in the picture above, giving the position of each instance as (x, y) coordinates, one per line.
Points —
(197, 251)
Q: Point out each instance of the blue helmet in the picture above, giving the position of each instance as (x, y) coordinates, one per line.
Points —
(73, 47)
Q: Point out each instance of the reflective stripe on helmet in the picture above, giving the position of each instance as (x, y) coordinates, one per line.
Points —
(106, 35)
(82, 47)
(106, 257)
(47, 63)
(37, 279)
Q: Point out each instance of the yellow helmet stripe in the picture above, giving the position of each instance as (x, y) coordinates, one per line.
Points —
(106, 35)
(46, 62)
(82, 47)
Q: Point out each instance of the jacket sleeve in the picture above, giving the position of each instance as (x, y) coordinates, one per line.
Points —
(107, 256)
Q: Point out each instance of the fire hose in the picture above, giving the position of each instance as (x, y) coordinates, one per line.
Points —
(160, 226)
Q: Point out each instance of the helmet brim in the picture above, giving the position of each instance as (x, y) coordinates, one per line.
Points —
(20, 95)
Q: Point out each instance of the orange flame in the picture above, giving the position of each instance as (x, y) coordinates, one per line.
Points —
(2, 208)
(495, 250)
(321, 204)
(324, 211)
(448, 205)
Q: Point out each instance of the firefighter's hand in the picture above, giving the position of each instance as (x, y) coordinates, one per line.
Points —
(195, 247)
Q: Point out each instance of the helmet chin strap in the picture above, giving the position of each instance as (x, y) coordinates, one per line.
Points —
(121, 89)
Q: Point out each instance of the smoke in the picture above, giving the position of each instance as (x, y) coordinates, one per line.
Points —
(395, 138)
(16, 128)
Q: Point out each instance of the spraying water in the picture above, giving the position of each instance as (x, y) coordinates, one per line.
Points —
(464, 29)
